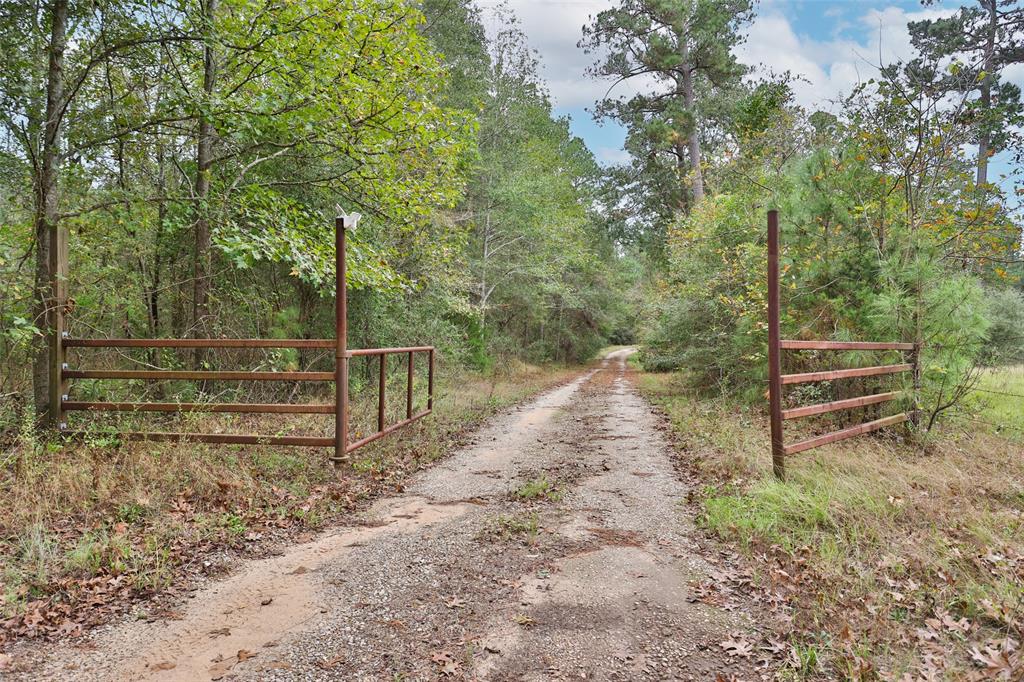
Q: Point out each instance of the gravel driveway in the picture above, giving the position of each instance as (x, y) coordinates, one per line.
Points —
(554, 546)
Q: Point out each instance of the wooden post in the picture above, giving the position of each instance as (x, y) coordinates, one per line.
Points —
(341, 345)
(774, 348)
(57, 309)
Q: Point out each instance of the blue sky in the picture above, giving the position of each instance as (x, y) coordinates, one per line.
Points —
(832, 44)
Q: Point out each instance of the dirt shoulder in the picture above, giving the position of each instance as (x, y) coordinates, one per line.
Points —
(556, 544)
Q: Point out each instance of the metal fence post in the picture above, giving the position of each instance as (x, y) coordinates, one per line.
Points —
(915, 415)
(381, 392)
(430, 382)
(341, 345)
(774, 348)
(408, 393)
(58, 304)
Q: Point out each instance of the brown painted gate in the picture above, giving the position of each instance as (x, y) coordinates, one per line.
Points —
(340, 441)
(776, 379)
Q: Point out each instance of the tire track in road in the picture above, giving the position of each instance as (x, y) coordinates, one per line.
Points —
(462, 579)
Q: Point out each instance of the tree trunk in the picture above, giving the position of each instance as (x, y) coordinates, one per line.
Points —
(984, 142)
(484, 294)
(682, 155)
(694, 140)
(46, 215)
(201, 263)
(153, 298)
(308, 299)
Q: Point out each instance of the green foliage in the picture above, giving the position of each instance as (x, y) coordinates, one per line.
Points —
(444, 140)
(1006, 336)
(882, 239)
(542, 266)
(539, 488)
(686, 49)
(966, 53)
(507, 527)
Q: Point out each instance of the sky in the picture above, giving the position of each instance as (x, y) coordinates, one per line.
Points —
(831, 44)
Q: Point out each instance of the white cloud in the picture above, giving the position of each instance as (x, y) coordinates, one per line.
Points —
(831, 68)
(859, 41)
(554, 29)
(611, 155)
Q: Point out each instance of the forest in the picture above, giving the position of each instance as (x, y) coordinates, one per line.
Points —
(196, 153)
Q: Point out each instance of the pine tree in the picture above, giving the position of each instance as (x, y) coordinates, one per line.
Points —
(981, 41)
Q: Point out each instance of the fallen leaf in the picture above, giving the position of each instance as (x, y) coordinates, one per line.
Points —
(244, 655)
(446, 662)
(996, 661)
(736, 646)
(163, 665)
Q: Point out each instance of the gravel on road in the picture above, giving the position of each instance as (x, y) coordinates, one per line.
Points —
(556, 545)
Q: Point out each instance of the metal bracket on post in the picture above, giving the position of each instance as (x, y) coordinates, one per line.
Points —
(342, 224)
(775, 349)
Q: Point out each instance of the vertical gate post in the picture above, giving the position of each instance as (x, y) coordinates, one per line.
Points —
(57, 309)
(341, 344)
(774, 348)
(408, 389)
(430, 382)
(381, 391)
(915, 359)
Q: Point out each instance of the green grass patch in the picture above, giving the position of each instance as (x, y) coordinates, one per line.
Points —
(539, 488)
(997, 403)
(508, 527)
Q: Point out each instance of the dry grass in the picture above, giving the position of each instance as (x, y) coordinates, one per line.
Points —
(895, 557)
(142, 510)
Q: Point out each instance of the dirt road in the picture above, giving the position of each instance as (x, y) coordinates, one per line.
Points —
(463, 578)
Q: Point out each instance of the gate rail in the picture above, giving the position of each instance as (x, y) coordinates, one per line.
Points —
(340, 408)
(776, 379)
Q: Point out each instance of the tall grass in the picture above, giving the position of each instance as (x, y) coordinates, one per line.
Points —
(882, 532)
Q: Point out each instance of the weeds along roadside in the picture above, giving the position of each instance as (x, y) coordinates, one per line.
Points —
(888, 557)
(99, 523)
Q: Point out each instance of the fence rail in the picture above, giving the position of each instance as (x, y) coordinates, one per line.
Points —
(203, 375)
(776, 379)
(790, 344)
(833, 374)
(61, 401)
(836, 405)
(271, 408)
(836, 436)
(199, 343)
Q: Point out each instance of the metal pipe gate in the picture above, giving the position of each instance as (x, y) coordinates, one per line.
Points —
(61, 402)
(776, 379)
